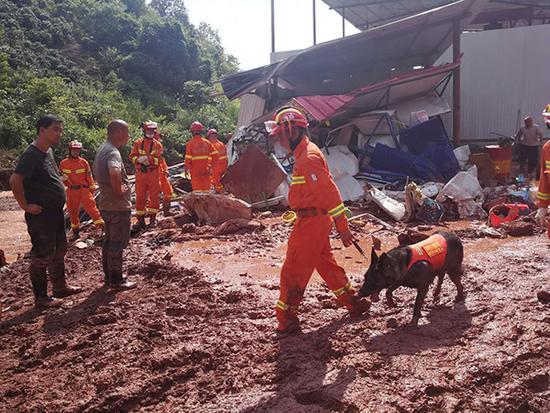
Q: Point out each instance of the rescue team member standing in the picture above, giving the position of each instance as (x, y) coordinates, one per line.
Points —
(198, 159)
(529, 138)
(317, 202)
(219, 162)
(39, 190)
(543, 193)
(165, 186)
(80, 186)
(146, 154)
(115, 203)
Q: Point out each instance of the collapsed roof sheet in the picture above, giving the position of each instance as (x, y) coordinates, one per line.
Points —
(365, 14)
(342, 65)
(386, 94)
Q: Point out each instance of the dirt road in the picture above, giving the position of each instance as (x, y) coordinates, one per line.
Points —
(196, 335)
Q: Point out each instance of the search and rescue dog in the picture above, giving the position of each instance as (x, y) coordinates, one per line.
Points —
(416, 266)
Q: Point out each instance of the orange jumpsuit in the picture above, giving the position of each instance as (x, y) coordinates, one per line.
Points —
(219, 164)
(80, 186)
(147, 177)
(165, 186)
(198, 160)
(317, 201)
(543, 194)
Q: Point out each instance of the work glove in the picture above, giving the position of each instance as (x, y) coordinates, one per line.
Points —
(540, 217)
(144, 160)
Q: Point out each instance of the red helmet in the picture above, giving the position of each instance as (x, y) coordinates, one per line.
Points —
(212, 132)
(74, 144)
(149, 124)
(197, 127)
(290, 116)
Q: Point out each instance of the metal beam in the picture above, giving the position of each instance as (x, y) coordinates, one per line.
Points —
(456, 85)
(314, 24)
(272, 26)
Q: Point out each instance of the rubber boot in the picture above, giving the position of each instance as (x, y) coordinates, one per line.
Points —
(288, 321)
(355, 305)
(39, 280)
(75, 234)
(152, 220)
(166, 208)
(60, 288)
(140, 224)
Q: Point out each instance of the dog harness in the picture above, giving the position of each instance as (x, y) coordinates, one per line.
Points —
(432, 250)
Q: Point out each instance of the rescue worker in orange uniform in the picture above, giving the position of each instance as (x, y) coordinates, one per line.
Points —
(165, 186)
(198, 159)
(219, 162)
(146, 155)
(80, 187)
(317, 202)
(543, 194)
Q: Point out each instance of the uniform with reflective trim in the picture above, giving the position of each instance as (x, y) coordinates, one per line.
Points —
(199, 153)
(312, 188)
(80, 185)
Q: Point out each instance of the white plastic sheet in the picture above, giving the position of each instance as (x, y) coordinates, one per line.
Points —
(394, 208)
(463, 186)
(462, 155)
(343, 165)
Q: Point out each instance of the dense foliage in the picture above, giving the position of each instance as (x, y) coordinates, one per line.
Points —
(90, 61)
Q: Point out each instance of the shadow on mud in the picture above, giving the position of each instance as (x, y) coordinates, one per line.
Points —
(25, 317)
(302, 363)
(445, 328)
(82, 313)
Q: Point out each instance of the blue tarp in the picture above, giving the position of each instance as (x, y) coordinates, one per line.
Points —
(401, 162)
(430, 140)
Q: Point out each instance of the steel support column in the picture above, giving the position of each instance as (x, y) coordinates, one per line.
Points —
(272, 26)
(314, 25)
(456, 86)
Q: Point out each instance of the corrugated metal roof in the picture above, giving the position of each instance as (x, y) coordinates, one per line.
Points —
(365, 14)
(381, 95)
(339, 66)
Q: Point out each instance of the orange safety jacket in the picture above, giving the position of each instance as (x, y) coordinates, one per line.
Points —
(220, 160)
(543, 194)
(432, 250)
(312, 186)
(199, 153)
(146, 147)
(78, 171)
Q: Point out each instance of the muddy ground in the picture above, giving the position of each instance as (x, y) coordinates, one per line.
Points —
(196, 335)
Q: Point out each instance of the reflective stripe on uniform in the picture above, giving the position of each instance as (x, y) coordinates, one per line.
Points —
(543, 196)
(99, 222)
(298, 180)
(279, 304)
(74, 226)
(140, 213)
(223, 157)
(198, 158)
(66, 171)
(152, 210)
(80, 171)
(134, 159)
(337, 211)
(342, 290)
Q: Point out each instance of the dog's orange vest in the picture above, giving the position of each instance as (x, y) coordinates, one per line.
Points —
(432, 250)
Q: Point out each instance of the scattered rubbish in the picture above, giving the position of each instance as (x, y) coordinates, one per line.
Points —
(431, 189)
(518, 228)
(462, 155)
(470, 209)
(485, 231)
(499, 214)
(344, 165)
(167, 223)
(463, 186)
(213, 209)
(81, 245)
(410, 237)
(393, 208)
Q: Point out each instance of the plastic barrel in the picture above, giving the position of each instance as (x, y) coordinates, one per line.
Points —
(502, 159)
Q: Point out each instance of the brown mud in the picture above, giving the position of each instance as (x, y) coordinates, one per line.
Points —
(196, 335)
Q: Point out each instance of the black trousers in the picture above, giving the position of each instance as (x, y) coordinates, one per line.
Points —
(49, 246)
(530, 155)
(117, 237)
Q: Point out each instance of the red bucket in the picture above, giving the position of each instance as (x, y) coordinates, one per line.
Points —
(502, 159)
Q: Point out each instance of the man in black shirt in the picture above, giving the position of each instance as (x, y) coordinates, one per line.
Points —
(38, 188)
